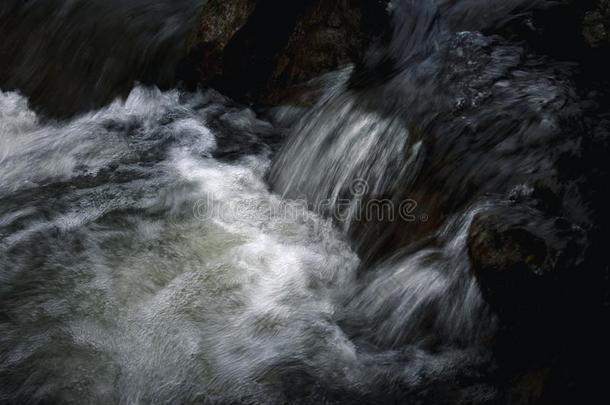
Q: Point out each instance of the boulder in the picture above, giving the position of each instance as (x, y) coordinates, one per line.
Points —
(596, 26)
(524, 261)
(220, 20)
(266, 51)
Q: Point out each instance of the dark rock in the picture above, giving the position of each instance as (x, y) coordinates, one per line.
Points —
(524, 261)
(575, 31)
(596, 25)
(218, 24)
(328, 35)
(269, 50)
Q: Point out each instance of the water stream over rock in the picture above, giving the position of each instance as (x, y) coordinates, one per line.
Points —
(178, 247)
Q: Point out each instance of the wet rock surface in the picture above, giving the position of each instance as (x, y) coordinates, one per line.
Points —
(523, 260)
(267, 51)
(219, 22)
(259, 51)
(596, 28)
(69, 57)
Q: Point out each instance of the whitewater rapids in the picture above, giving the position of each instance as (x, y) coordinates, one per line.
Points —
(144, 260)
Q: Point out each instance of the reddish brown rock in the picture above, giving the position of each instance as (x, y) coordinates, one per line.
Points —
(524, 262)
(220, 20)
(266, 51)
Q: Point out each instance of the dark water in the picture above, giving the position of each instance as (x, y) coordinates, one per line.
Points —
(177, 247)
(74, 55)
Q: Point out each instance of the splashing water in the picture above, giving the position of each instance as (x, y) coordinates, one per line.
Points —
(138, 267)
(164, 249)
(457, 115)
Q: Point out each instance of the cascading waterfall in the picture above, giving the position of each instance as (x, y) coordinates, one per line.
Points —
(141, 268)
(164, 249)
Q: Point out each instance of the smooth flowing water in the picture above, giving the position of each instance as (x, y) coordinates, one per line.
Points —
(178, 247)
(139, 267)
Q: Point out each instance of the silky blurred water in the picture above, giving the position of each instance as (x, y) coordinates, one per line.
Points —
(137, 267)
(178, 247)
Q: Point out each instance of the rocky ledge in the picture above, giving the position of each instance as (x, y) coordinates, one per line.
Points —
(265, 51)
(269, 51)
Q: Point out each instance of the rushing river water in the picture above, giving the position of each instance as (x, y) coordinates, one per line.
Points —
(143, 261)
(177, 247)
